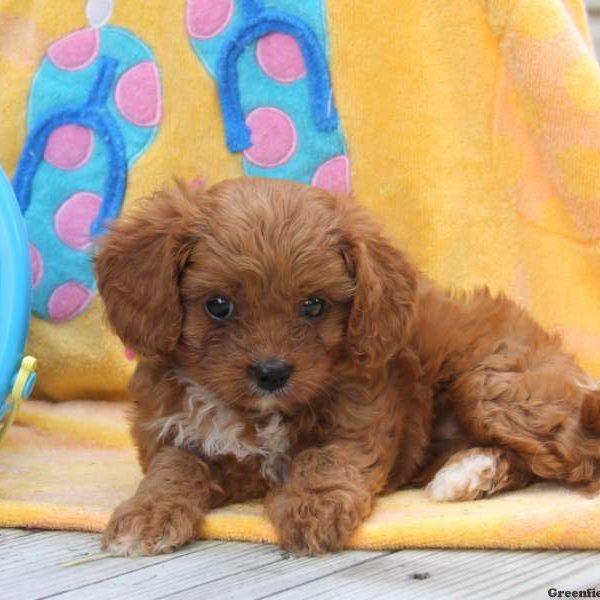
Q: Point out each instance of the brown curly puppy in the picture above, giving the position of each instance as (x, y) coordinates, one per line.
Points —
(288, 350)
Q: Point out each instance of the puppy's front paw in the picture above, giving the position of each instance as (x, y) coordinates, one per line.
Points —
(467, 477)
(147, 526)
(309, 523)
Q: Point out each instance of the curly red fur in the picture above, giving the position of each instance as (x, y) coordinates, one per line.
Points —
(397, 382)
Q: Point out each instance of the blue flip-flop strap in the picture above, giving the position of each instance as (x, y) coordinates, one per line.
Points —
(94, 115)
(237, 133)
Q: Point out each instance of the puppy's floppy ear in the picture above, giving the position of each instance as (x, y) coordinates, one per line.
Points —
(384, 300)
(138, 265)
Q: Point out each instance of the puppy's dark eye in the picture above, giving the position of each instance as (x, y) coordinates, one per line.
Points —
(311, 308)
(219, 308)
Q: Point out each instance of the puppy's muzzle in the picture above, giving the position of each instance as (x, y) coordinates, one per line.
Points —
(271, 374)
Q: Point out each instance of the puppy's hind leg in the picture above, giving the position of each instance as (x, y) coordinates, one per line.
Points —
(535, 401)
(477, 472)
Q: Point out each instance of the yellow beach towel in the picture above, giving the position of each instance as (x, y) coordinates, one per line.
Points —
(471, 128)
(67, 466)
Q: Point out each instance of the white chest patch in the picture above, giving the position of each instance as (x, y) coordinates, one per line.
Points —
(206, 425)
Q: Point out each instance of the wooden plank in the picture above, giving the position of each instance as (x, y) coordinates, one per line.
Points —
(453, 574)
(31, 566)
(30, 569)
(178, 573)
(581, 573)
(36, 570)
(7, 533)
(230, 569)
(263, 581)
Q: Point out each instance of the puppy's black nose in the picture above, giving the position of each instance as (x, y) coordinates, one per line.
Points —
(271, 374)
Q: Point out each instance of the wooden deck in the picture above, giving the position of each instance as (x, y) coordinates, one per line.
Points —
(32, 567)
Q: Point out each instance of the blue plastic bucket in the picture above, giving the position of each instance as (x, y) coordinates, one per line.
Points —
(17, 373)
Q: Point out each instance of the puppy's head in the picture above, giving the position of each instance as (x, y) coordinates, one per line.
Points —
(259, 289)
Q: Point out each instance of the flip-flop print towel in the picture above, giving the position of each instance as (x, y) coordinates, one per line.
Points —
(269, 59)
(94, 108)
(471, 129)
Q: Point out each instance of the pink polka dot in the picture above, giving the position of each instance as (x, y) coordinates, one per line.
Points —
(69, 147)
(206, 19)
(37, 265)
(333, 175)
(67, 301)
(280, 57)
(138, 95)
(76, 50)
(73, 220)
(273, 137)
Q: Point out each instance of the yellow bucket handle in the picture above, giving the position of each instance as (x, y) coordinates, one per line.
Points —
(22, 388)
